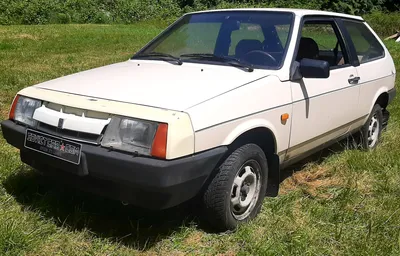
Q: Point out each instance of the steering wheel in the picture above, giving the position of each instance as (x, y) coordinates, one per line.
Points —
(248, 56)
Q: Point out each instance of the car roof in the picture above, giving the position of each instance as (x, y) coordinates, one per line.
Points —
(297, 12)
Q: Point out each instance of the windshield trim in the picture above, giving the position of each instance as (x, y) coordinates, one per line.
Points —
(168, 29)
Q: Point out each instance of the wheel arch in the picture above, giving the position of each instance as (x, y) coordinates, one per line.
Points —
(257, 131)
(381, 97)
(263, 135)
(382, 100)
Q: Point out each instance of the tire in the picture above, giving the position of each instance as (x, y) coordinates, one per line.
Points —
(372, 129)
(225, 206)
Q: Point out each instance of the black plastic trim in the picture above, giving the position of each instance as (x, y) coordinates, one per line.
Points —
(351, 50)
(141, 181)
(291, 160)
(392, 94)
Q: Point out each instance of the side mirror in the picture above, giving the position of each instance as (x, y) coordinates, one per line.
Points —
(310, 68)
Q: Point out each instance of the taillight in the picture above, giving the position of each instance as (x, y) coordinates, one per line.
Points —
(11, 115)
(159, 147)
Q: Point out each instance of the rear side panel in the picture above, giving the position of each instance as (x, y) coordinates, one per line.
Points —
(377, 71)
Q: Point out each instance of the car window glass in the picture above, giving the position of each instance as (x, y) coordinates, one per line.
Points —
(283, 33)
(191, 37)
(366, 44)
(247, 31)
(319, 41)
(247, 37)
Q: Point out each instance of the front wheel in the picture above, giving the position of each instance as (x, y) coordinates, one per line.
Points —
(236, 192)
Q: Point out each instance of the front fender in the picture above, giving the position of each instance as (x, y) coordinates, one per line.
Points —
(247, 126)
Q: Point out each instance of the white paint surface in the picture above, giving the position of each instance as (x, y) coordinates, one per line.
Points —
(155, 83)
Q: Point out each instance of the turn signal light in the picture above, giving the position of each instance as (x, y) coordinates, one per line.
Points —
(159, 147)
(284, 117)
(11, 115)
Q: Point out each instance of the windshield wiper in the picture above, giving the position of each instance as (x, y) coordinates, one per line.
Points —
(158, 55)
(228, 60)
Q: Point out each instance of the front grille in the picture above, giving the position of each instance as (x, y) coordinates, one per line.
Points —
(68, 134)
(77, 111)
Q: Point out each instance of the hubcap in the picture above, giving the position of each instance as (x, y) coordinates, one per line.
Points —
(373, 131)
(245, 190)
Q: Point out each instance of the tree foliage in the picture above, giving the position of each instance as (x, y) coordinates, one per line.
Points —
(128, 11)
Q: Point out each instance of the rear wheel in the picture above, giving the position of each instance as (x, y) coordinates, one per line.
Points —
(236, 192)
(372, 129)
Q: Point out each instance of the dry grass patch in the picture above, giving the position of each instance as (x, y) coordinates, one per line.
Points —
(313, 181)
(3, 111)
(229, 253)
(24, 36)
(172, 253)
(300, 217)
(31, 68)
(364, 183)
(194, 239)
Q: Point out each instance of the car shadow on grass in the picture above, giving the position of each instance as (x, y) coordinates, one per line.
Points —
(76, 210)
(130, 226)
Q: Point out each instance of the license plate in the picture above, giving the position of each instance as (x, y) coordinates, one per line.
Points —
(53, 146)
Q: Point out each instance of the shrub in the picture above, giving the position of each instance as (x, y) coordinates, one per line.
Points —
(63, 18)
(128, 11)
(36, 11)
(384, 24)
(83, 11)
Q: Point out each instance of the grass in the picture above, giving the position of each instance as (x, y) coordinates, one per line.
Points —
(343, 202)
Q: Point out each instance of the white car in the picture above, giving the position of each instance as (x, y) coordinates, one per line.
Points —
(211, 109)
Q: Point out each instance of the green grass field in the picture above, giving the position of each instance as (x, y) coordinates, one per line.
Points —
(343, 202)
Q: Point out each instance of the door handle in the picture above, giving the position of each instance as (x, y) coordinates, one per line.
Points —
(354, 79)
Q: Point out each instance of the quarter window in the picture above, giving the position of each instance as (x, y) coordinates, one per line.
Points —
(367, 46)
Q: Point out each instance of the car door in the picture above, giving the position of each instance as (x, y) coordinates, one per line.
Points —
(323, 109)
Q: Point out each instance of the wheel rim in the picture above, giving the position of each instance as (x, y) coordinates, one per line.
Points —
(245, 189)
(373, 131)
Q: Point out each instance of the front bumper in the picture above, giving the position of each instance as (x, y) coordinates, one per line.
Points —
(141, 181)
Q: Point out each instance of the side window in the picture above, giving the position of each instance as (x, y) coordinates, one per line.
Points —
(320, 41)
(247, 32)
(367, 46)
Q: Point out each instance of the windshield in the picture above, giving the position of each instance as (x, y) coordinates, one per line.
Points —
(254, 38)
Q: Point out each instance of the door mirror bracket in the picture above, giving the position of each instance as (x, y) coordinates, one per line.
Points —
(295, 74)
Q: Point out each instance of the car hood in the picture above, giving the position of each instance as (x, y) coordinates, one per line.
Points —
(155, 83)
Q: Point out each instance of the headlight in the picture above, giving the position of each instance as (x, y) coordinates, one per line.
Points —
(132, 135)
(23, 109)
